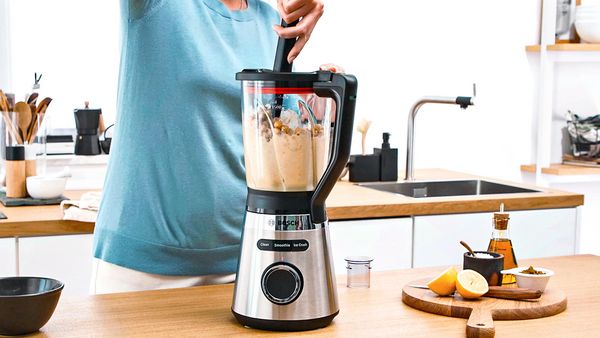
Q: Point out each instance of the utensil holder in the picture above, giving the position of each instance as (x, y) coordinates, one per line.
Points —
(15, 172)
(30, 159)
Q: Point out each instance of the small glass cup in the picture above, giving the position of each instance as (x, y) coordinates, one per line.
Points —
(359, 271)
(488, 264)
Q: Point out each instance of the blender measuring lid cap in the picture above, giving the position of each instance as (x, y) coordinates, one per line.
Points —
(358, 259)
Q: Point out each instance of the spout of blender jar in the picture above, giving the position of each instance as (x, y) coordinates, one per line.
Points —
(341, 88)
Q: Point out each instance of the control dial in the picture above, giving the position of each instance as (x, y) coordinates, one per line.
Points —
(282, 283)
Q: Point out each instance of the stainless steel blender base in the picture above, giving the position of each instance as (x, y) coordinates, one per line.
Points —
(284, 325)
(285, 278)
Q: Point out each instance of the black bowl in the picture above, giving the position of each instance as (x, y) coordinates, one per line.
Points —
(27, 303)
(489, 268)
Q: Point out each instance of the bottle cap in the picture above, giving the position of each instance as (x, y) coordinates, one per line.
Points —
(386, 141)
(501, 220)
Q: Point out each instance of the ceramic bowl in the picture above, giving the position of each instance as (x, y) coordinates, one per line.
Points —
(42, 187)
(529, 281)
(589, 31)
(27, 303)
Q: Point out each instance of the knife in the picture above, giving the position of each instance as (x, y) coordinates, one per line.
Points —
(504, 293)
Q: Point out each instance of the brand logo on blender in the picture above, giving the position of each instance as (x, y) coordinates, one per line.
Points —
(288, 222)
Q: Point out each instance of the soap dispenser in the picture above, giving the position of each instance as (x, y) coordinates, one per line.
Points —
(388, 160)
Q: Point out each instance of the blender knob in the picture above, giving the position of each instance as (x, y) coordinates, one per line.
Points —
(282, 283)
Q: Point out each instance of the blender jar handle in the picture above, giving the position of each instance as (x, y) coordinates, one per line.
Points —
(342, 89)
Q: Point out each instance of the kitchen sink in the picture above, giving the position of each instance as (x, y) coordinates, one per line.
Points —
(446, 188)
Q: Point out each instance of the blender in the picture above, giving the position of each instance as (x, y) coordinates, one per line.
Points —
(296, 145)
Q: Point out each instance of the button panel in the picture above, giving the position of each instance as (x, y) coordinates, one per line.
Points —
(282, 245)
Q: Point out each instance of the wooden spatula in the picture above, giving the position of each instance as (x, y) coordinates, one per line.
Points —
(23, 118)
(38, 118)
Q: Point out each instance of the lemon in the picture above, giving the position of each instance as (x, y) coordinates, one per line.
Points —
(471, 284)
(445, 283)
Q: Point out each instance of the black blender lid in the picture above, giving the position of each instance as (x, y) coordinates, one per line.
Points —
(269, 75)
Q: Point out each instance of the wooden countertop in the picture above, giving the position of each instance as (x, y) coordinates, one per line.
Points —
(43, 220)
(378, 311)
(562, 169)
(347, 201)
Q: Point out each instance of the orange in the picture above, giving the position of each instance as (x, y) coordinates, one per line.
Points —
(445, 283)
(471, 284)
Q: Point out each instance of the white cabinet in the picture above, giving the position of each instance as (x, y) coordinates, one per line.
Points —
(387, 241)
(534, 233)
(7, 257)
(436, 238)
(543, 233)
(66, 258)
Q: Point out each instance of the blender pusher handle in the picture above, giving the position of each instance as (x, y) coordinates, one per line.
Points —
(284, 46)
(341, 88)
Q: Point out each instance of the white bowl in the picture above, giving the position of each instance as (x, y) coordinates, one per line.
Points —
(588, 17)
(43, 187)
(528, 281)
(588, 31)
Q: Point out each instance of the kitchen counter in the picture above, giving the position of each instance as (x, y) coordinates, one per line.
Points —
(43, 220)
(378, 311)
(347, 201)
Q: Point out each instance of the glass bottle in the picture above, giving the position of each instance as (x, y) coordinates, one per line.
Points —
(501, 243)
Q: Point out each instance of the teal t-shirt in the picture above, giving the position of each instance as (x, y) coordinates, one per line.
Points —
(174, 195)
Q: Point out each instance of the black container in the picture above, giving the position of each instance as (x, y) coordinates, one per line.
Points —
(489, 268)
(364, 168)
(27, 303)
(388, 160)
(87, 140)
(106, 141)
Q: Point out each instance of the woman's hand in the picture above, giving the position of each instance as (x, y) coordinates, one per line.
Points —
(308, 11)
(332, 67)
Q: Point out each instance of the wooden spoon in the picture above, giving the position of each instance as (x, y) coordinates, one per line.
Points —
(23, 118)
(5, 108)
(43, 105)
(468, 248)
(3, 102)
(38, 118)
(32, 98)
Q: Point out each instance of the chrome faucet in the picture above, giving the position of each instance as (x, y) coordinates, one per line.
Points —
(462, 101)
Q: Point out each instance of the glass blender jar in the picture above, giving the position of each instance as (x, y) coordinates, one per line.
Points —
(286, 143)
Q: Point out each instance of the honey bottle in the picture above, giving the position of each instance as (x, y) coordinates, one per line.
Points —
(501, 243)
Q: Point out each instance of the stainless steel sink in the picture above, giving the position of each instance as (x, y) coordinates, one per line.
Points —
(446, 188)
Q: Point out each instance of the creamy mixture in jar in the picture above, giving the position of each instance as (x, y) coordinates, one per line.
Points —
(284, 153)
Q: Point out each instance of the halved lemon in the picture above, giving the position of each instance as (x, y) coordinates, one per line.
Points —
(471, 284)
(445, 283)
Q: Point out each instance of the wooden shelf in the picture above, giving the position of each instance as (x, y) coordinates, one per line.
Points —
(562, 169)
(567, 47)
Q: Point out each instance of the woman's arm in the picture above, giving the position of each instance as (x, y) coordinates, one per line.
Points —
(308, 11)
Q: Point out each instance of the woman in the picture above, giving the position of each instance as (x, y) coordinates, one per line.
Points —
(174, 196)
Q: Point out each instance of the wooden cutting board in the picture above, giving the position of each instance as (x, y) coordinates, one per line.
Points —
(482, 312)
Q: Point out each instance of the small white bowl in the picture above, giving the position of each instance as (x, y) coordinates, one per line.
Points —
(529, 281)
(588, 31)
(43, 187)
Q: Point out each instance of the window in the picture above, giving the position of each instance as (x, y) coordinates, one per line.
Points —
(75, 44)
